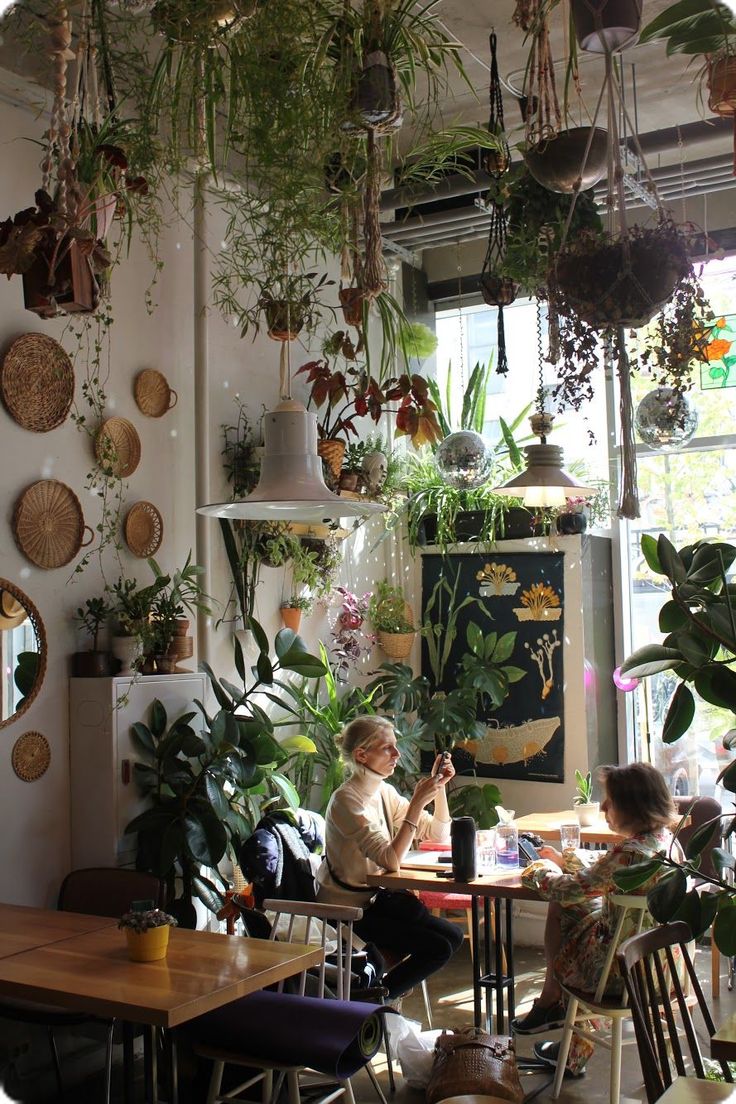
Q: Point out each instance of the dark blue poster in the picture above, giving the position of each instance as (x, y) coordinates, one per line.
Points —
(520, 593)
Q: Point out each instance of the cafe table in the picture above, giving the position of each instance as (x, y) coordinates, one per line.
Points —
(22, 928)
(89, 971)
(547, 825)
(493, 890)
(723, 1043)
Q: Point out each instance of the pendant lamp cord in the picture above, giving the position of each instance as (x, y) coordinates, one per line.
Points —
(285, 359)
(540, 369)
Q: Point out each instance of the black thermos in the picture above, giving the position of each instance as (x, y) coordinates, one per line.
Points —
(462, 834)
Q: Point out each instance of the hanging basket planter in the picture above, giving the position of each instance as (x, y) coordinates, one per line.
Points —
(70, 288)
(284, 320)
(557, 164)
(606, 26)
(722, 91)
(620, 283)
(376, 103)
(396, 645)
(497, 291)
(351, 301)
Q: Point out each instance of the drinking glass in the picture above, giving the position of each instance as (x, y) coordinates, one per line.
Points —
(570, 836)
(486, 850)
(507, 847)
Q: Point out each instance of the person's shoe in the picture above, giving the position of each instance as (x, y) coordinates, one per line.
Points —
(540, 1018)
(548, 1052)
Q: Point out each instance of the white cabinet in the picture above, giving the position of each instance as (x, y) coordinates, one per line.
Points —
(104, 797)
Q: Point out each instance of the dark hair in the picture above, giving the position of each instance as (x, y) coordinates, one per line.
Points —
(361, 732)
(640, 795)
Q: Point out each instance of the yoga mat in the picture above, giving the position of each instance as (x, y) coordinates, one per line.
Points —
(336, 1038)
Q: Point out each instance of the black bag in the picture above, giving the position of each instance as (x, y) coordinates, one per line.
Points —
(399, 905)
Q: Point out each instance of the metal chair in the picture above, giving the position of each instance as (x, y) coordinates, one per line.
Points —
(581, 1006)
(216, 1035)
(648, 966)
(99, 891)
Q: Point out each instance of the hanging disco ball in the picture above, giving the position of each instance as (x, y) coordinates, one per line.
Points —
(464, 460)
(665, 420)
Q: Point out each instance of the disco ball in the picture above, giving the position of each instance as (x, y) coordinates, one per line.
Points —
(463, 460)
(665, 420)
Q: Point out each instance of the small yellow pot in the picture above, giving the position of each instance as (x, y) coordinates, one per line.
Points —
(148, 946)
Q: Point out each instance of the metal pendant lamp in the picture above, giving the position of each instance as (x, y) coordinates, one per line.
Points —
(291, 486)
(544, 483)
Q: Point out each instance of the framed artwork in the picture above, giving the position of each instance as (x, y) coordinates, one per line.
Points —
(520, 593)
(719, 369)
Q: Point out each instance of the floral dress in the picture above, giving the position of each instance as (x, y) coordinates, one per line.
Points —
(588, 916)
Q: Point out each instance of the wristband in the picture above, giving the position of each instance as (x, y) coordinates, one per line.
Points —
(411, 823)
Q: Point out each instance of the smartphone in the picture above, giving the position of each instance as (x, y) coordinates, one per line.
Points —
(439, 767)
(527, 851)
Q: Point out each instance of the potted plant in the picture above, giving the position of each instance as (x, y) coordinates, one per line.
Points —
(351, 473)
(392, 619)
(587, 810)
(147, 934)
(292, 609)
(91, 617)
(349, 641)
(133, 605)
(292, 303)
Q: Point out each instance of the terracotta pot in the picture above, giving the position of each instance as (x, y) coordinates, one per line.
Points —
(603, 25)
(351, 301)
(722, 85)
(181, 626)
(332, 451)
(349, 480)
(91, 665)
(557, 163)
(291, 617)
(148, 946)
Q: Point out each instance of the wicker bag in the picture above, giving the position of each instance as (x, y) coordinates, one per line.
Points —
(471, 1062)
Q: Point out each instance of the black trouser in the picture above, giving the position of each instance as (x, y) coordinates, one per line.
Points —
(400, 924)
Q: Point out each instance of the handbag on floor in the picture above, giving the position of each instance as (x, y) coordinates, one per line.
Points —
(470, 1062)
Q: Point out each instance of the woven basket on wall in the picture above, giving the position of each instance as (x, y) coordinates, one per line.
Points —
(153, 395)
(49, 525)
(118, 447)
(398, 645)
(144, 529)
(37, 382)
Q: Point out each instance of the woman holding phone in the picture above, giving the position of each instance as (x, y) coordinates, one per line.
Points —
(369, 829)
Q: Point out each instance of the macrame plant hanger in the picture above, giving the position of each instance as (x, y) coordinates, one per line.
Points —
(497, 290)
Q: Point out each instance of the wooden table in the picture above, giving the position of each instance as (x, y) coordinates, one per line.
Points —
(723, 1043)
(22, 928)
(90, 972)
(547, 825)
(496, 887)
(694, 1090)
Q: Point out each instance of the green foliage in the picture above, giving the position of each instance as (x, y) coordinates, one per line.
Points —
(693, 27)
(478, 802)
(207, 790)
(387, 609)
(584, 794)
(92, 616)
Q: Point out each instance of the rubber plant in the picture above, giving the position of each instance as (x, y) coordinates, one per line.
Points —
(206, 788)
(699, 621)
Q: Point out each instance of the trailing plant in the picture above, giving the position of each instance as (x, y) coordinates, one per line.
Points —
(387, 609)
(349, 642)
(206, 789)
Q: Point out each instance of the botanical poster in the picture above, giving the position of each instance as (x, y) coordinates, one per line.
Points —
(518, 592)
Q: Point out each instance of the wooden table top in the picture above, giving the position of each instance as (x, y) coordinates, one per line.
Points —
(547, 825)
(91, 972)
(22, 927)
(504, 886)
(694, 1090)
(723, 1043)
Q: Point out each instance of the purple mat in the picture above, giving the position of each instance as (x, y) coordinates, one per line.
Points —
(336, 1038)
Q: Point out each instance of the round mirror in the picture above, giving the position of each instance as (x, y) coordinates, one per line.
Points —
(23, 652)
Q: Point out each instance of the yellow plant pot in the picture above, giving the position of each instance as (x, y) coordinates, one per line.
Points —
(147, 946)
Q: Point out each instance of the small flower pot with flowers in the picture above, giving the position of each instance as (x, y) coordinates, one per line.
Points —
(147, 934)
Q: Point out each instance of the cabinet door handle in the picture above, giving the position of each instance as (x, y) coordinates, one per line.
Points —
(125, 772)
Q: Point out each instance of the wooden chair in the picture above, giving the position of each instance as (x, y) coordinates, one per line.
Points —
(212, 1036)
(649, 969)
(581, 1006)
(99, 891)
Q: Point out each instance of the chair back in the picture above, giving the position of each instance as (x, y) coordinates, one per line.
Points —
(650, 972)
(626, 903)
(701, 810)
(108, 890)
(325, 924)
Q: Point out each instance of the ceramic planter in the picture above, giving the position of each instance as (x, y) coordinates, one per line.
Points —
(722, 85)
(349, 480)
(558, 163)
(127, 650)
(91, 665)
(606, 25)
(571, 524)
(148, 946)
(292, 617)
(588, 814)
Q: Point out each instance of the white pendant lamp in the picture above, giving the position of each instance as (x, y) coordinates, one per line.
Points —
(291, 486)
(544, 482)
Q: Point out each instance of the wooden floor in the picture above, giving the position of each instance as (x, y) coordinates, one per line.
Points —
(452, 1007)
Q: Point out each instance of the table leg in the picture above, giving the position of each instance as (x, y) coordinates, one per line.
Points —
(128, 1069)
(487, 929)
(510, 961)
(475, 955)
(150, 1064)
(500, 979)
(173, 1067)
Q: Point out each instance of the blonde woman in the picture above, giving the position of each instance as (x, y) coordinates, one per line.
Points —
(369, 829)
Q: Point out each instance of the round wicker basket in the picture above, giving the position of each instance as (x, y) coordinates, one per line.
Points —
(332, 451)
(118, 447)
(49, 525)
(144, 529)
(153, 395)
(37, 382)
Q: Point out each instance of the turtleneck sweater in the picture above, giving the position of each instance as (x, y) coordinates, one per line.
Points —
(363, 816)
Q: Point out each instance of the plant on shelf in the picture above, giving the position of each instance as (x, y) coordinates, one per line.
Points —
(351, 474)
(698, 617)
(91, 617)
(390, 615)
(350, 643)
(206, 789)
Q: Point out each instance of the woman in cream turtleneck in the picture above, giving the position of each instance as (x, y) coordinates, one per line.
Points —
(370, 827)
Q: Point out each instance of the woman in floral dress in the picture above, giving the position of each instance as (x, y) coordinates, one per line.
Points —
(581, 918)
